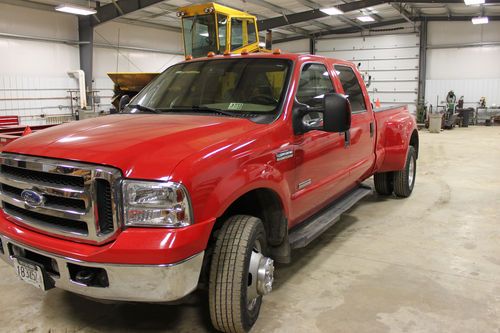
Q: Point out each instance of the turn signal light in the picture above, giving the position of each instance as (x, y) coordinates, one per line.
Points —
(277, 51)
(210, 54)
(227, 53)
(189, 57)
(244, 52)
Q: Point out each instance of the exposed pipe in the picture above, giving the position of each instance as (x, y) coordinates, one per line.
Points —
(43, 39)
(75, 42)
(135, 48)
(31, 98)
(39, 108)
(80, 76)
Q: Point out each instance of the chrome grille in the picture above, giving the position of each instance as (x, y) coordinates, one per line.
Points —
(80, 200)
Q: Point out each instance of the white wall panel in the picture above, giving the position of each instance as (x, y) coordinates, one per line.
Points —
(469, 71)
(33, 74)
(138, 36)
(126, 60)
(462, 32)
(464, 63)
(25, 21)
(297, 46)
(471, 89)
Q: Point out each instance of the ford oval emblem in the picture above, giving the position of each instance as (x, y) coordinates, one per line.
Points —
(32, 198)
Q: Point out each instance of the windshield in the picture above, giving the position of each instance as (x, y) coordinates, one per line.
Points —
(243, 87)
(199, 35)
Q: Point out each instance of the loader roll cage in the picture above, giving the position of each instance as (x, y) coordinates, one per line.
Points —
(214, 28)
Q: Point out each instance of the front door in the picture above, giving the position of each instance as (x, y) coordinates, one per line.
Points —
(321, 170)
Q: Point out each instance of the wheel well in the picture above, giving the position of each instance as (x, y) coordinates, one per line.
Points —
(414, 141)
(267, 206)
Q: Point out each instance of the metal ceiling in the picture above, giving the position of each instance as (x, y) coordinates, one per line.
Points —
(289, 19)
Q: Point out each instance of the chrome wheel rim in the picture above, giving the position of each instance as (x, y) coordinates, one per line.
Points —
(411, 172)
(260, 276)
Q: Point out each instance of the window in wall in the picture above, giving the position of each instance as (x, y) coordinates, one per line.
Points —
(351, 87)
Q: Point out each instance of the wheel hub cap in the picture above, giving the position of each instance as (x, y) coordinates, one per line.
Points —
(260, 277)
(265, 276)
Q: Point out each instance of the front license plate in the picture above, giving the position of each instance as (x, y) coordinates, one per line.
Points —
(29, 273)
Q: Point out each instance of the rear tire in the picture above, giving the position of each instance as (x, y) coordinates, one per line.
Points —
(230, 307)
(384, 183)
(404, 180)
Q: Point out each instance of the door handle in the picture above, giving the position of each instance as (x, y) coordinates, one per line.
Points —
(372, 129)
(347, 138)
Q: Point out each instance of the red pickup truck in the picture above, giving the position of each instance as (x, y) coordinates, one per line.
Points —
(214, 171)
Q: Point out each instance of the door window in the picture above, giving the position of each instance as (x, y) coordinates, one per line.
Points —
(222, 24)
(314, 83)
(351, 87)
(242, 32)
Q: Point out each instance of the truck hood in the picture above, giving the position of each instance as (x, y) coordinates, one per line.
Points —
(142, 146)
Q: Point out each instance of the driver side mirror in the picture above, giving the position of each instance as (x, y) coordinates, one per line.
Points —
(123, 102)
(334, 116)
(337, 113)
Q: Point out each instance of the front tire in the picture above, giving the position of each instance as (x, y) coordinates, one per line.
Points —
(404, 180)
(239, 274)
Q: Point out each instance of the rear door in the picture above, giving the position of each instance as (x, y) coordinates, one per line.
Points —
(361, 143)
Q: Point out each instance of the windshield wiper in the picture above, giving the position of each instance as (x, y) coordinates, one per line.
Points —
(202, 108)
(144, 108)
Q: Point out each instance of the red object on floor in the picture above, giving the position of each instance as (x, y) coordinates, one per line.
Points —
(27, 131)
(377, 103)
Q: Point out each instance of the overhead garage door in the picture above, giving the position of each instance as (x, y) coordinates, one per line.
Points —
(391, 60)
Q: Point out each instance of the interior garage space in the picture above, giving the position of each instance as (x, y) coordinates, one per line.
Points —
(249, 166)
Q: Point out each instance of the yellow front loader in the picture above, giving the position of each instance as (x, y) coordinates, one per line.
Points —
(215, 28)
(206, 28)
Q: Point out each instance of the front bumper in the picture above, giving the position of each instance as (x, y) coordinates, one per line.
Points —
(141, 283)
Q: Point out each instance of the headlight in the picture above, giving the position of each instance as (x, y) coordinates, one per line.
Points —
(156, 204)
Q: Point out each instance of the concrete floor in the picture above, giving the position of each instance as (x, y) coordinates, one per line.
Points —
(430, 263)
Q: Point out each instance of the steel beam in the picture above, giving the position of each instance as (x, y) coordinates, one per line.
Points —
(313, 14)
(122, 7)
(346, 30)
(422, 64)
(312, 45)
(402, 12)
(86, 38)
(454, 18)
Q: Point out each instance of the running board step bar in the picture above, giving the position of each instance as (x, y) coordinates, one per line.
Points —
(310, 229)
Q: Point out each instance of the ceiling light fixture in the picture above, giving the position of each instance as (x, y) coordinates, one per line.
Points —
(473, 2)
(332, 11)
(365, 18)
(480, 20)
(74, 9)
